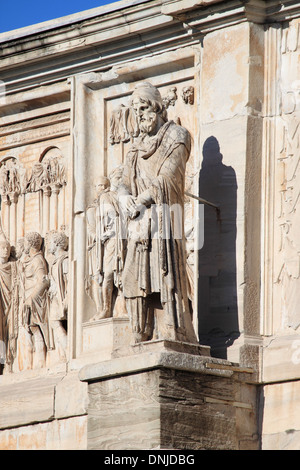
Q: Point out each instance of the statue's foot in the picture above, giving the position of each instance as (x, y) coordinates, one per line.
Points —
(100, 316)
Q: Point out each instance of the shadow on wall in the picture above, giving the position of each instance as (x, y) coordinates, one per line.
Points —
(218, 313)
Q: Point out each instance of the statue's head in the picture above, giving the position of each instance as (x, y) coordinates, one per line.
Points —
(116, 176)
(32, 240)
(4, 250)
(102, 184)
(57, 240)
(147, 103)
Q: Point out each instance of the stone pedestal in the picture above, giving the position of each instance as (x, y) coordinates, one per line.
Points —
(165, 399)
(103, 337)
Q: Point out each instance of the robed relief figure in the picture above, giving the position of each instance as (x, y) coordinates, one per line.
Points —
(8, 305)
(36, 284)
(105, 245)
(152, 192)
(58, 290)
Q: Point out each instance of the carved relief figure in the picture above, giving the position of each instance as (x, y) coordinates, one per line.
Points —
(154, 174)
(93, 257)
(123, 125)
(46, 173)
(8, 310)
(12, 180)
(170, 98)
(34, 183)
(288, 256)
(36, 284)
(188, 94)
(24, 341)
(58, 275)
(4, 180)
(108, 242)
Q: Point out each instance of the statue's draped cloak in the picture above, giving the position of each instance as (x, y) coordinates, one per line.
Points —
(155, 173)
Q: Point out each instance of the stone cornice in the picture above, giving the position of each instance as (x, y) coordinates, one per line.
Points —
(101, 38)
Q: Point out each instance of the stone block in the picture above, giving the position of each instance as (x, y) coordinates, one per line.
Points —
(169, 400)
(27, 402)
(70, 397)
(105, 336)
(67, 434)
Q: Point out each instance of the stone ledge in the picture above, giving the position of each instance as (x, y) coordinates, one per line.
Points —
(41, 399)
(161, 359)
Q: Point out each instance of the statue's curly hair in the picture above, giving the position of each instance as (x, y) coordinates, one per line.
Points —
(34, 239)
(60, 239)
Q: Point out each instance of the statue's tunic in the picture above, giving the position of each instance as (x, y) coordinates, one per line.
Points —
(8, 309)
(36, 286)
(58, 288)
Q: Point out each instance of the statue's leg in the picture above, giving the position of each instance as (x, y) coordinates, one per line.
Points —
(108, 287)
(60, 338)
(39, 355)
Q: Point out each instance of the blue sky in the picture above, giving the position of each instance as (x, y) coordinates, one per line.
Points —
(19, 13)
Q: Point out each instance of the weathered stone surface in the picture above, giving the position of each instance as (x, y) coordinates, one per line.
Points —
(171, 408)
(65, 434)
(71, 397)
(41, 399)
(27, 402)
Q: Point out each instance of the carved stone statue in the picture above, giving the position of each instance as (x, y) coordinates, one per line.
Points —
(93, 257)
(24, 342)
(8, 308)
(155, 267)
(36, 284)
(108, 242)
(58, 275)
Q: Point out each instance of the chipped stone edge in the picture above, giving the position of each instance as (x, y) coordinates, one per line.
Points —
(157, 360)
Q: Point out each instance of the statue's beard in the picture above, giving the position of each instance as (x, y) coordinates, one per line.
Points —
(148, 122)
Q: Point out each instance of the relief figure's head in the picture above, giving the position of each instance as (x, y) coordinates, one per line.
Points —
(32, 242)
(4, 251)
(57, 242)
(101, 185)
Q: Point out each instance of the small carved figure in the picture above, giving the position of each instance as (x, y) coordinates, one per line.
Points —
(110, 250)
(123, 125)
(4, 180)
(188, 94)
(36, 282)
(14, 178)
(170, 98)
(58, 275)
(37, 175)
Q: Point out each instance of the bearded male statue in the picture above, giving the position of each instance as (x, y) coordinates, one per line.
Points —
(152, 192)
